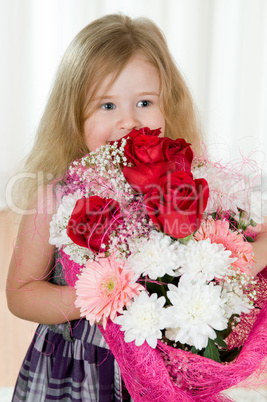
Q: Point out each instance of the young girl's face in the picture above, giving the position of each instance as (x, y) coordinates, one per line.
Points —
(132, 101)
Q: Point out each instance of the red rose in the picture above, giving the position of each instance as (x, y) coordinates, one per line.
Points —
(143, 178)
(92, 220)
(147, 131)
(177, 203)
(136, 133)
(154, 157)
(144, 131)
(180, 152)
(145, 149)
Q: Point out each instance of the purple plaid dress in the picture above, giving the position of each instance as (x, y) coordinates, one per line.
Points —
(69, 362)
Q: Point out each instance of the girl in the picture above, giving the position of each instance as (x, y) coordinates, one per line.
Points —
(116, 75)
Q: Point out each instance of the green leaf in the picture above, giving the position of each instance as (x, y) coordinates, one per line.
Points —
(212, 351)
(250, 239)
(220, 341)
(252, 223)
(214, 215)
(194, 350)
(154, 288)
(185, 240)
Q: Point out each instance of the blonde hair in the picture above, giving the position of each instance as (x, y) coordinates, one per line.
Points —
(104, 47)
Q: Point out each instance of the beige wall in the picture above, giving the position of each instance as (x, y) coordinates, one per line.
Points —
(15, 334)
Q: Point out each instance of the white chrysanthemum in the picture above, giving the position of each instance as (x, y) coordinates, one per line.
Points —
(58, 232)
(204, 260)
(197, 311)
(155, 257)
(144, 319)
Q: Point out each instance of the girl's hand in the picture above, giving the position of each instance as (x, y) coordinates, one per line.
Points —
(260, 248)
(30, 295)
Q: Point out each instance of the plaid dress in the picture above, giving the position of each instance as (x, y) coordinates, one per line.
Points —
(69, 362)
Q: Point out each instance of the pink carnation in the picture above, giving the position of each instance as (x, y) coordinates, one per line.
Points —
(219, 232)
(104, 288)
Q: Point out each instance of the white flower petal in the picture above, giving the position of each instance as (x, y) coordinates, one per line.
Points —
(197, 311)
(203, 260)
(144, 319)
(155, 257)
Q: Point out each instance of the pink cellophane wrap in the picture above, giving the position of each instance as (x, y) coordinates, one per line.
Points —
(166, 374)
(70, 268)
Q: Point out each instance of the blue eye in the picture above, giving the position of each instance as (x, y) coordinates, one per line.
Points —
(108, 106)
(144, 103)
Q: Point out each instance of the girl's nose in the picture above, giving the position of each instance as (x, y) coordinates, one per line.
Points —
(128, 120)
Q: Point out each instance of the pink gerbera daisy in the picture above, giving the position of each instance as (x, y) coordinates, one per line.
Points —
(219, 232)
(104, 288)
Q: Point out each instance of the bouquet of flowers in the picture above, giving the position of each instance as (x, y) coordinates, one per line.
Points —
(160, 257)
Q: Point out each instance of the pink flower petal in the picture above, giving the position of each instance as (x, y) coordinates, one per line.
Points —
(104, 288)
